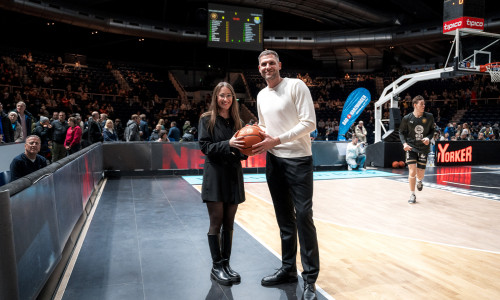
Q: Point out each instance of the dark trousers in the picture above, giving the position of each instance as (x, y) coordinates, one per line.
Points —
(290, 182)
(58, 151)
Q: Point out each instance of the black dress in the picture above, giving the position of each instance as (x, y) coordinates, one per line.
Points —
(222, 172)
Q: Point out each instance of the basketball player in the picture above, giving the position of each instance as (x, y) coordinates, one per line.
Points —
(286, 116)
(416, 131)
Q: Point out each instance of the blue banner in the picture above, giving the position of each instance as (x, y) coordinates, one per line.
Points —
(353, 107)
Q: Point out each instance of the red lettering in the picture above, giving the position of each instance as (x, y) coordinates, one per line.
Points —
(196, 158)
(468, 155)
(461, 155)
(442, 151)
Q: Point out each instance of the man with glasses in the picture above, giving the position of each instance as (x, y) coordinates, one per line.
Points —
(29, 161)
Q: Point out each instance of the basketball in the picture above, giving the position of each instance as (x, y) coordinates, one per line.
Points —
(395, 164)
(401, 164)
(251, 136)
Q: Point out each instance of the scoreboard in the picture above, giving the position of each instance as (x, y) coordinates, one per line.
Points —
(459, 14)
(235, 27)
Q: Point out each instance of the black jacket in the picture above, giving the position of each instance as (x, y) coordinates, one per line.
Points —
(8, 132)
(94, 132)
(59, 131)
(222, 172)
(44, 133)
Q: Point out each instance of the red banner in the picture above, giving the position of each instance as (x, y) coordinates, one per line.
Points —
(463, 22)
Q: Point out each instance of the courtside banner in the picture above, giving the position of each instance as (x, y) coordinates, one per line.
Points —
(457, 153)
(353, 107)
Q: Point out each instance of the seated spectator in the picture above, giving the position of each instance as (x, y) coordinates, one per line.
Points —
(354, 155)
(29, 161)
(163, 136)
(73, 136)
(109, 132)
(174, 134)
(445, 137)
(155, 135)
(189, 135)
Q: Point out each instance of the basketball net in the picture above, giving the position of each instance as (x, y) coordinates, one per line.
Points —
(494, 70)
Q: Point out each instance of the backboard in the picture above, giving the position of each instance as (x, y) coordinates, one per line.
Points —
(472, 49)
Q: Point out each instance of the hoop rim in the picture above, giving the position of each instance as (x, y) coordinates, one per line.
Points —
(493, 66)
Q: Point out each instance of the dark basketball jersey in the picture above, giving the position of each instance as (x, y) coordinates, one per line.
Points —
(412, 130)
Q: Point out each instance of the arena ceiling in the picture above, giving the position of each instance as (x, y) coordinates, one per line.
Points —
(340, 29)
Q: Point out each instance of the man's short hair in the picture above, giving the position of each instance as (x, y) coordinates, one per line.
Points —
(417, 99)
(269, 52)
(32, 136)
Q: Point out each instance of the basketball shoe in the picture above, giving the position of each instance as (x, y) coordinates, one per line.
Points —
(420, 185)
(413, 199)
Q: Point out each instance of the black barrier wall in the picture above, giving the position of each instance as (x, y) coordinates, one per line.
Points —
(40, 212)
(45, 206)
(147, 156)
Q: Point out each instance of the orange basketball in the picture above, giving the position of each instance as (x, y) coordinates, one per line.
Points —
(401, 164)
(395, 164)
(251, 136)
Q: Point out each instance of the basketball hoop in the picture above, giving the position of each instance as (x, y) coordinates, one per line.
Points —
(494, 70)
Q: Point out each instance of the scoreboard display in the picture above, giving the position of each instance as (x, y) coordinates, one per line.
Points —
(235, 27)
(459, 14)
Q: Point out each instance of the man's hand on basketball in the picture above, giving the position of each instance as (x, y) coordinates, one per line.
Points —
(426, 141)
(406, 147)
(269, 142)
(237, 142)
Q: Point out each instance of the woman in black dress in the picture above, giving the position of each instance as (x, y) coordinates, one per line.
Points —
(222, 188)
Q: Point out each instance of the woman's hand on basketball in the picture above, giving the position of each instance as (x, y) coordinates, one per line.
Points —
(269, 142)
(237, 142)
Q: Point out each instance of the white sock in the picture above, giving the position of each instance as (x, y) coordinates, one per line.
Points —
(413, 192)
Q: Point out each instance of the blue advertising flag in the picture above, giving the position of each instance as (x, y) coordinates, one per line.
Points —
(353, 107)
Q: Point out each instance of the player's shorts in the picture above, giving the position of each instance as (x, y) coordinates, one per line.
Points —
(416, 158)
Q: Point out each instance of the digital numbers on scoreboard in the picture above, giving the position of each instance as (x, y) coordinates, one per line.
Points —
(235, 27)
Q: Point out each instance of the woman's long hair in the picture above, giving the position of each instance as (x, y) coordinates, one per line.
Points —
(213, 111)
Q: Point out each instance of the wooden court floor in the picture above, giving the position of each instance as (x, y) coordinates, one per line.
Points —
(374, 245)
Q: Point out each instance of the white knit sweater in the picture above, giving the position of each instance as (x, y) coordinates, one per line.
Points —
(287, 111)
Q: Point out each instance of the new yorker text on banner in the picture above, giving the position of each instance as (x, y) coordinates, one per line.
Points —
(353, 107)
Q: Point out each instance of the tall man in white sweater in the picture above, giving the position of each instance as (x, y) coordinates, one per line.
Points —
(286, 116)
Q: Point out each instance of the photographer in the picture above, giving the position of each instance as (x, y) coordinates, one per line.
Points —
(354, 155)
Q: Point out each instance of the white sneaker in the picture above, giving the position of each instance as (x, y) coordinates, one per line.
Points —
(349, 168)
(362, 169)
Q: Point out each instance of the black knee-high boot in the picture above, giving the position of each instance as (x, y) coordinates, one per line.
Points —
(226, 244)
(218, 273)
